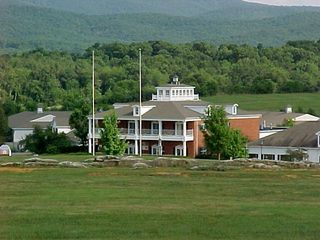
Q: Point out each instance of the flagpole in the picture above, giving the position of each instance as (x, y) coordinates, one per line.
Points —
(140, 105)
(93, 117)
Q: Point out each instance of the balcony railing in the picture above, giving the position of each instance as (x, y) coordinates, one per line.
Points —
(175, 97)
(155, 132)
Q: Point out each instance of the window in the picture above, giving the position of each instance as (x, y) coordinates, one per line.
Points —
(155, 128)
(131, 127)
(167, 92)
(184, 92)
(130, 149)
(180, 92)
(160, 92)
(136, 110)
(173, 92)
(178, 150)
(179, 128)
(155, 150)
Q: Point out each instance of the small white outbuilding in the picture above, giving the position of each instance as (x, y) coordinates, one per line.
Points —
(5, 150)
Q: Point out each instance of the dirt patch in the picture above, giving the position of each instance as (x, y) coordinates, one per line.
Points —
(291, 176)
(184, 174)
(99, 174)
(16, 170)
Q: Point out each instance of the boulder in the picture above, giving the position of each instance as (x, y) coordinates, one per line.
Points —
(140, 165)
(72, 164)
(111, 163)
(11, 164)
(39, 160)
(40, 164)
(194, 168)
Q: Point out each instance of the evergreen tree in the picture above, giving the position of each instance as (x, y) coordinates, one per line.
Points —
(221, 140)
(112, 144)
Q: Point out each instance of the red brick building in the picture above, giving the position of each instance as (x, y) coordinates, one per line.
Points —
(171, 122)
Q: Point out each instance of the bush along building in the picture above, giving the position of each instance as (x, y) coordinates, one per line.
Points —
(171, 122)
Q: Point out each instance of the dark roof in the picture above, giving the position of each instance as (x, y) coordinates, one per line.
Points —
(162, 110)
(302, 135)
(273, 118)
(24, 119)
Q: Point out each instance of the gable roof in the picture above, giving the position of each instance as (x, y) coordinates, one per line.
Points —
(274, 119)
(30, 119)
(301, 135)
(175, 110)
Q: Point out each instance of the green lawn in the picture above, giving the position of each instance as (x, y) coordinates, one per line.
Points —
(272, 102)
(121, 203)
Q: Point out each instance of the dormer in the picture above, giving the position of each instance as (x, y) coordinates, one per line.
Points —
(231, 109)
(318, 139)
(144, 109)
(175, 91)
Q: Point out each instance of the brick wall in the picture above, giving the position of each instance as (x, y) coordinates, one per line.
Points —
(249, 127)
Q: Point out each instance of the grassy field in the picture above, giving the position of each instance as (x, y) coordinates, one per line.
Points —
(272, 102)
(121, 203)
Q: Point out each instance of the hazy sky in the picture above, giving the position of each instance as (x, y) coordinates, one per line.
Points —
(288, 2)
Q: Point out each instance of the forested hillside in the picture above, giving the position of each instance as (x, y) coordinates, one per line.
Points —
(63, 81)
(62, 25)
(109, 7)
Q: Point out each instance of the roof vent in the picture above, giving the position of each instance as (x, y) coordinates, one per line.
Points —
(288, 109)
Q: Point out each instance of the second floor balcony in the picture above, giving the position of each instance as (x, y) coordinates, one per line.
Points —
(151, 134)
(169, 134)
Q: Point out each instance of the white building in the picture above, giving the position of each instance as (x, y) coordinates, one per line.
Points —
(22, 124)
(304, 137)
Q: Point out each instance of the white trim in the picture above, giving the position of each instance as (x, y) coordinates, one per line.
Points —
(244, 116)
(180, 148)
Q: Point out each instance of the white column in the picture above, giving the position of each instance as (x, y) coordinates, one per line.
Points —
(160, 147)
(136, 147)
(160, 129)
(90, 146)
(184, 138)
(90, 136)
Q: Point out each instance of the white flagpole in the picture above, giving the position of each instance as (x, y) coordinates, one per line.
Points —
(93, 119)
(140, 106)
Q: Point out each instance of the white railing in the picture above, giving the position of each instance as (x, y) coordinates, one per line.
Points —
(175, 98)
(155, 132)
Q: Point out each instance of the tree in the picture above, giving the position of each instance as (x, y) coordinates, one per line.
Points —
(111, 142)
(3, 125)
(46, 141)
(297, 155)
(220, 139)
(79, 121)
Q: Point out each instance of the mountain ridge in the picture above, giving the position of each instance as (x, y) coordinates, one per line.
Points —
(28, 27)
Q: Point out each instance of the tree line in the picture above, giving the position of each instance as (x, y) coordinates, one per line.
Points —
(62, 81)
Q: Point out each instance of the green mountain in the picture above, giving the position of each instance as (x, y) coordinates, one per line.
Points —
(29, 24)
(107, 7)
